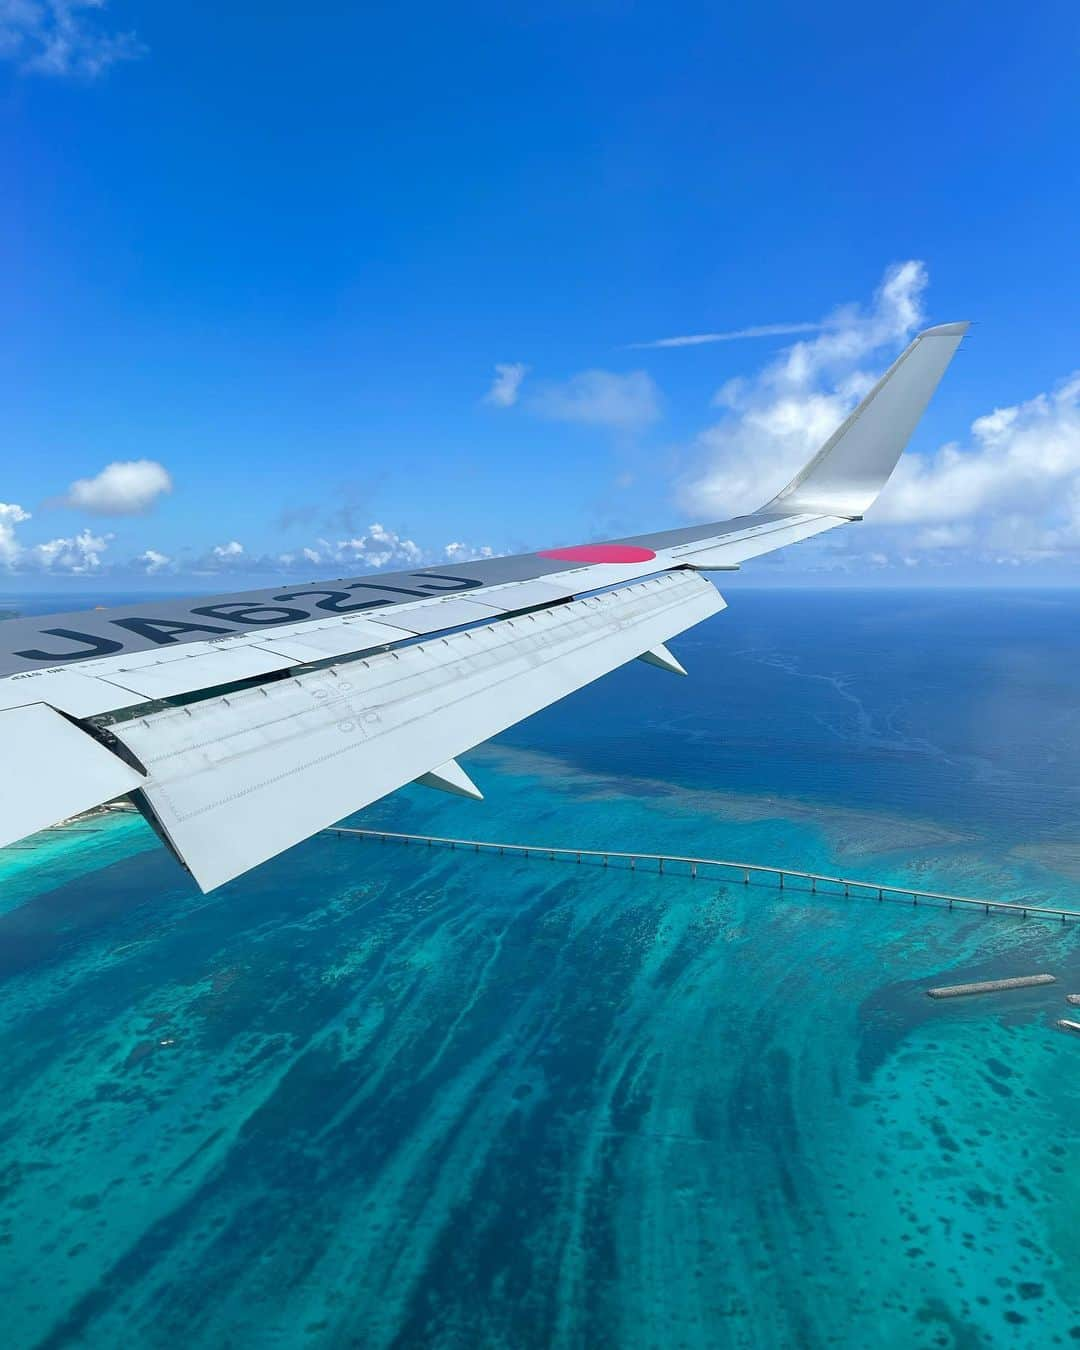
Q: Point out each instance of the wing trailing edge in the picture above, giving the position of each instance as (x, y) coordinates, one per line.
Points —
(234, 780)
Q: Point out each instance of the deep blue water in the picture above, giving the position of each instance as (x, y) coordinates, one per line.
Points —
(962, 706)
(385, 1096)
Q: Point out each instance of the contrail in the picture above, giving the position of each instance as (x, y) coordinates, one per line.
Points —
(697, 339)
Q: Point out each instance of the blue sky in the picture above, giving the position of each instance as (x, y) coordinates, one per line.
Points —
(260, 268)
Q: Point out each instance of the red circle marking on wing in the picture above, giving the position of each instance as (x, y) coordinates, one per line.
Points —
(600, 553)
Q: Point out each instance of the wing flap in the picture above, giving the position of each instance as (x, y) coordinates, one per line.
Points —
(237, 779)
(53, 770)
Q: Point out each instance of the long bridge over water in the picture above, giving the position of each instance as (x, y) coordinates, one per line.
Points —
(722, 868)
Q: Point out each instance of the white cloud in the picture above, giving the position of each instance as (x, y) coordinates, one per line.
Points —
(1008, 493)
(123, 488)
(774, 421)
(1012, 492)
(377, 547)
(380, 546)
(601, 398)
(506, 385)
(152, 562)
(733, 335)
(77, 555)
(62, 37)
(227, 557)
(458, 552)
(1029, 452)
(10, 516)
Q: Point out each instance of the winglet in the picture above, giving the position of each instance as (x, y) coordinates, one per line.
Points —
(849, 471)
(451, 777)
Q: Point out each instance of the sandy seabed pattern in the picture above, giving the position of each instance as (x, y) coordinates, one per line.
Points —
(386, 1096)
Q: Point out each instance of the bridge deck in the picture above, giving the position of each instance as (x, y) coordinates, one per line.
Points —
(702, 866)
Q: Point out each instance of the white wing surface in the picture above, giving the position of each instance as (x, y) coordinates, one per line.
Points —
(235, 779)
(245, 723)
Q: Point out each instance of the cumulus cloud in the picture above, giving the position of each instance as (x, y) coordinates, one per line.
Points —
(1008, 492)
(124, 488)
(377, 547)
(152, 562)
(458, 552)
(774, 421)
(506, 385)
(760, 330)
(380, 546)
(226, 558)
(603, 398)
(1012, 491)
(1029, 452)
(10, 516)
(62, 37)
(76, 555)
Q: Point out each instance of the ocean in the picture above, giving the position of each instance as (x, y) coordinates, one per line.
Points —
(373, 1095)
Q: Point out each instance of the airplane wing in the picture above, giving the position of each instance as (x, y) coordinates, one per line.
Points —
(242, 724)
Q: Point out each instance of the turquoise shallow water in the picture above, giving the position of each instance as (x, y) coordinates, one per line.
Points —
(386, 1096)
